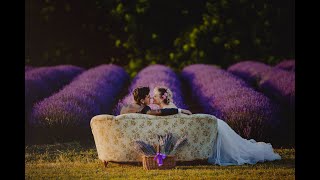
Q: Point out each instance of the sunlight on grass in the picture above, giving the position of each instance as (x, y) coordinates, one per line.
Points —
(75, 161)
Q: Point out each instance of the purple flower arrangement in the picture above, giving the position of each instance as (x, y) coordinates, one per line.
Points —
(93, 92)
(248, 112)
(44, 81)
(167, 145)
(289, 65)
(152, 76)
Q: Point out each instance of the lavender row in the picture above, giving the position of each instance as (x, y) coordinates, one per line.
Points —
(289, 65)
(279, 84)
(274, 82)
(93, 92)
(152, 76)
(43, 81)
(250, 71)
(28, 68)
(248, 112)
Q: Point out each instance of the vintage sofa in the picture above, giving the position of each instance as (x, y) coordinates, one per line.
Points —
(114, 135)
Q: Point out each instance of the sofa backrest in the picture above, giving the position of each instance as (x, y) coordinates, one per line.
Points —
(114, 136)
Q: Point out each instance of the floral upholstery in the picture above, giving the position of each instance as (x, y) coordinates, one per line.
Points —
(114, 136)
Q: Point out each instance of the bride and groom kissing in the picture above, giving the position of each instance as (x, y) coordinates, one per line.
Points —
(162, 97)
(229, 147)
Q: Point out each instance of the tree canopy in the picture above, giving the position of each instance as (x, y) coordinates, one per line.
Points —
(136, 33)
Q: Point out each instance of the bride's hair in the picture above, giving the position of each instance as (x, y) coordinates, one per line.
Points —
(166, 93)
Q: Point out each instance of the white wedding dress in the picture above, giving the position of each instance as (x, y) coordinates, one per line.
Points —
(232, 149)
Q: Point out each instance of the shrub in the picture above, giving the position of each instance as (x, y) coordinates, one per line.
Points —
(248, 112)
(277, 84)
(280, 85)
(289, 65)
(152, 76)
(44, 81)
(250, 71)
(93, 92)
(28, 68)
(274, 82)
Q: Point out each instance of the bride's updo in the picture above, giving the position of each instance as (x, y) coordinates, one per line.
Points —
(165, 93)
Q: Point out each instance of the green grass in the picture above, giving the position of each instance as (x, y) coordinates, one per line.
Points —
(80, 161)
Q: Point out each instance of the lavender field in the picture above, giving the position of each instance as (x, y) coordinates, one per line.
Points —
(278, 83)
(44, 81)
(61, 100)
(289, 65)
(248, 112)
(93, 92)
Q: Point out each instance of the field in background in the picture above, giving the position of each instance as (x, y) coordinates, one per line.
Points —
(255, 99)
(58, 120)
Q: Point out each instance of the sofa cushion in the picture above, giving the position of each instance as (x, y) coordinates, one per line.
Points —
(115, 135)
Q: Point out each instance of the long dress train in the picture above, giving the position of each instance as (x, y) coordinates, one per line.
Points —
(232, 149)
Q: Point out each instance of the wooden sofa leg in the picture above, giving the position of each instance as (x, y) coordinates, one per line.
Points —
(105, 163)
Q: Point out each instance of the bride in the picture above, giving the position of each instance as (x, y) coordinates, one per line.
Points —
(230, 148)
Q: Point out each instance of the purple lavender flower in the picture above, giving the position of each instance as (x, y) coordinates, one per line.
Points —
(43, 81)
(250, 71)
(279, 84)
(248, 112)
(289, 65)
(274, 82)
(152, 76)
(28, 68)
(93, 92)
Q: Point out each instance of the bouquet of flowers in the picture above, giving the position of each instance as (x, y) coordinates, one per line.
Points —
(166, 147)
